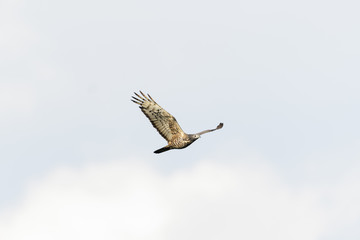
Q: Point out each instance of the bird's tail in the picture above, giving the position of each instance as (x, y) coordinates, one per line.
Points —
(164, 149)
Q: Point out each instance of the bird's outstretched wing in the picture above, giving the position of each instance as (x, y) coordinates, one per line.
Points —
(163, 121)
(210, 130)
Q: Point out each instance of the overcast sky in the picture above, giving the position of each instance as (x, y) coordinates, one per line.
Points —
(76, 155)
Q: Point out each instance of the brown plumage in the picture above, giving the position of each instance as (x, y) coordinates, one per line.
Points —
(166, 124)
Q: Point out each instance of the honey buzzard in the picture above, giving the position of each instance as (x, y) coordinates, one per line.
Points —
(166, 124)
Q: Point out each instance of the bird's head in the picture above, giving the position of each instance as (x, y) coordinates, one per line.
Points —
(194, 137)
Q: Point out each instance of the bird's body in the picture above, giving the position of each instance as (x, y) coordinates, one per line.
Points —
(166, 124)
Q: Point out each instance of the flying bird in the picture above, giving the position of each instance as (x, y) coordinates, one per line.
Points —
(166, 124)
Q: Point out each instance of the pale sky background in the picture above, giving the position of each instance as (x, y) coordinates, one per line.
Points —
(76, 155)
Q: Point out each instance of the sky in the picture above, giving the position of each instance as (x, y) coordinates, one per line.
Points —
(76, 155)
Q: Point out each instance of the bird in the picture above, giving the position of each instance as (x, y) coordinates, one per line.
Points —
(166, 124)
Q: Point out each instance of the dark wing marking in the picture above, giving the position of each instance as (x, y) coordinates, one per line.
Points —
(210, 130)
(163, 121)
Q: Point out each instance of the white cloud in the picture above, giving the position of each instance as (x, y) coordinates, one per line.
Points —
(133, 201)
(342, 202)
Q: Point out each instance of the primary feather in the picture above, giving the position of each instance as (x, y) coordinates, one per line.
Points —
(163, 121)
